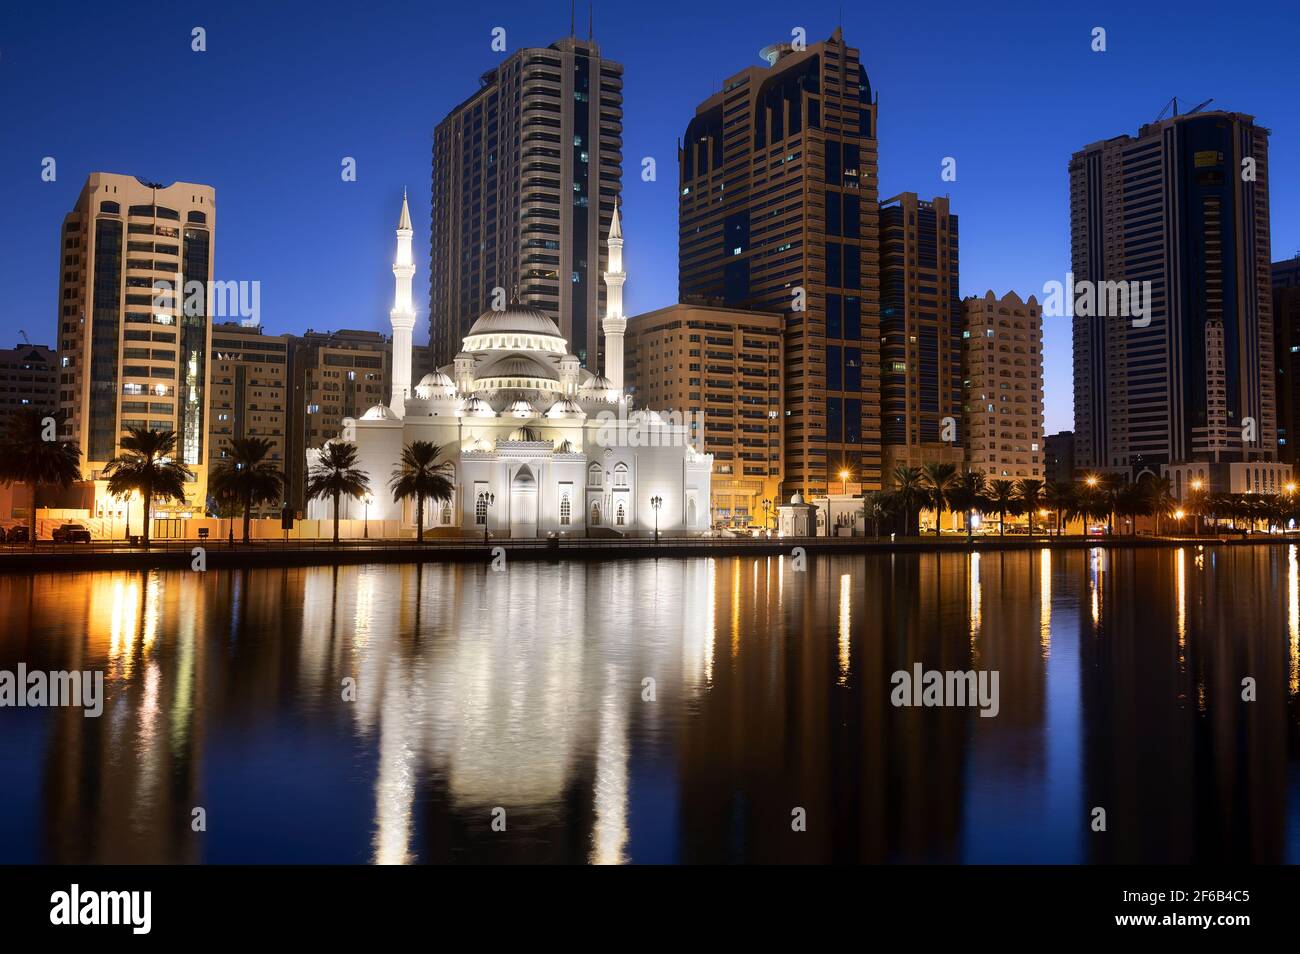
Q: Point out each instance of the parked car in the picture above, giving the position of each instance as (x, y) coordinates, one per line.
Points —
(71, 533)
(18, 534)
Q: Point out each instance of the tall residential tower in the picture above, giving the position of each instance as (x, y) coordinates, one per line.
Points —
(134, 325)
(1187, 377)
(525, 176)
(778, 212)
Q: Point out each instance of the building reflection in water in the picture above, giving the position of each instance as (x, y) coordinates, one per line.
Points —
(593, 704)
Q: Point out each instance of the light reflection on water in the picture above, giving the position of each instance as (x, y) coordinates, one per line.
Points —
(596, 705)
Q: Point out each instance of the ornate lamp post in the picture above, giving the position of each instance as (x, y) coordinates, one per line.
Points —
(487, 499)
(656, 502)
(767, 513)
(365, 530)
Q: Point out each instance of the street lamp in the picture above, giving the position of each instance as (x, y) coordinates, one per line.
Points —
(487, 499)
(1178, 515)
(365, 532)
(656, 502)
(1091, 480)
(844, 481)
(767, 513)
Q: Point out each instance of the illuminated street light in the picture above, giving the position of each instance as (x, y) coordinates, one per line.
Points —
(365, 533)
(656, 502)
(1091, 480)
(487, 499)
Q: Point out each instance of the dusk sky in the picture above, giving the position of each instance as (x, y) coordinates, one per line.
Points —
(286, 90)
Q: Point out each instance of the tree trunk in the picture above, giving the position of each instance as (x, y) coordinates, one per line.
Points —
(1002, 526)
(148, 508)
(1030, 511)
(336, 518)
(419, 518)
(31, 517)
(248, 514)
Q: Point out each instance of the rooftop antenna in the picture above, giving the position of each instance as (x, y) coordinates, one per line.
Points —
(571, 5)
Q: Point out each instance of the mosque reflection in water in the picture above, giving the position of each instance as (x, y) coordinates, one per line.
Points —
(671, 710)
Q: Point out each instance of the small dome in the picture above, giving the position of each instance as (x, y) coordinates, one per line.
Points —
(598, 382)
(565, 407)
(380, 412)
(517, 318)
(476, 407)
(437, 384)
(796, 498)
(519, 408)
(565, 447)
(525, 434)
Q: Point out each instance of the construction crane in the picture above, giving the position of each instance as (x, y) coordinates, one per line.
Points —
(26, 339)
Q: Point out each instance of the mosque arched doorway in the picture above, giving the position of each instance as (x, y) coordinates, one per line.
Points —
(523, 504)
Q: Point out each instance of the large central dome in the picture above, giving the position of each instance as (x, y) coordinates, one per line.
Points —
(516, 319)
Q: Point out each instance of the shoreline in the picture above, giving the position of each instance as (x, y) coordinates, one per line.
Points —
(177, 555)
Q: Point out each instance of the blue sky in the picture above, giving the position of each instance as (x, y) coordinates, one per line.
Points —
(286, 89)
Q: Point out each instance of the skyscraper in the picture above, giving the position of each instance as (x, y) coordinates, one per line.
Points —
(1286, 344)
(27, 379)
(920, 334)
(1189, 376)
(1003, 368)
(777, 212)
(525, 176)
(132, 350)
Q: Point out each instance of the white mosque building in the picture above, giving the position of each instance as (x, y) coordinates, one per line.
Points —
(537, 444)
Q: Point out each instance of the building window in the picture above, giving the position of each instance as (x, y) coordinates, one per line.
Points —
(593, 476)
(619, 515)
(595, 515)
(620, 475)
(564, 510)
(480, 511)
(446, 514)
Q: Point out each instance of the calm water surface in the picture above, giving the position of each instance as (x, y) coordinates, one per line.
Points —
(1120, 687)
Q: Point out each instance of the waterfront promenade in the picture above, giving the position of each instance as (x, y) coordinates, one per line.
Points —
(182, 554)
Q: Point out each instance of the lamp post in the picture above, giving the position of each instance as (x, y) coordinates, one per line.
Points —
(487, 499)
(767, 514)
(656, 502)
(1196, 506)
(365, 529)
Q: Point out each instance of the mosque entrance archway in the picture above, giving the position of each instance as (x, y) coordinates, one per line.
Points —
(523, 504)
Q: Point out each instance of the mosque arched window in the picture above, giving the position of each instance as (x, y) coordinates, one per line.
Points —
(595, 515)
(620, 475)
(593, 476)
(480, 511)
(619, 515)
(446, 513)
(565, 510)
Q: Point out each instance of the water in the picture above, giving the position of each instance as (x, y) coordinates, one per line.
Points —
(1120, 684)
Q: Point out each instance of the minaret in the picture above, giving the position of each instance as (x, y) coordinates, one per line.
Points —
(403, 314)
(614, 324)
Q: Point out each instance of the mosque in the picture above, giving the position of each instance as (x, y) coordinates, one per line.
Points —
(537, 444)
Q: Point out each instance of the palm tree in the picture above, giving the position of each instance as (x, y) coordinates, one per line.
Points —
(146, 466)
(1059, 498)
(334, 474)
(1111, 485)
(1029, 492)
(1089, 503)
(1002, 495)
(1132, 502)
(27, 457)
(876, 506)
(247, 476)
(938, 480)
(419, 474)
(909, 491)
(1160, 497)
(967, 494)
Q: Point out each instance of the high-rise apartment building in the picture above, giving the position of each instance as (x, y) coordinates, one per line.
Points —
(249, 383)
(920, 334)
(134, 326)
(722, 369)
(1059, 458)
(778, 212)
(1171, 301)
(334, 376)
(1003, 361)
(1286, 345)
(525, 176)
(28, 378)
